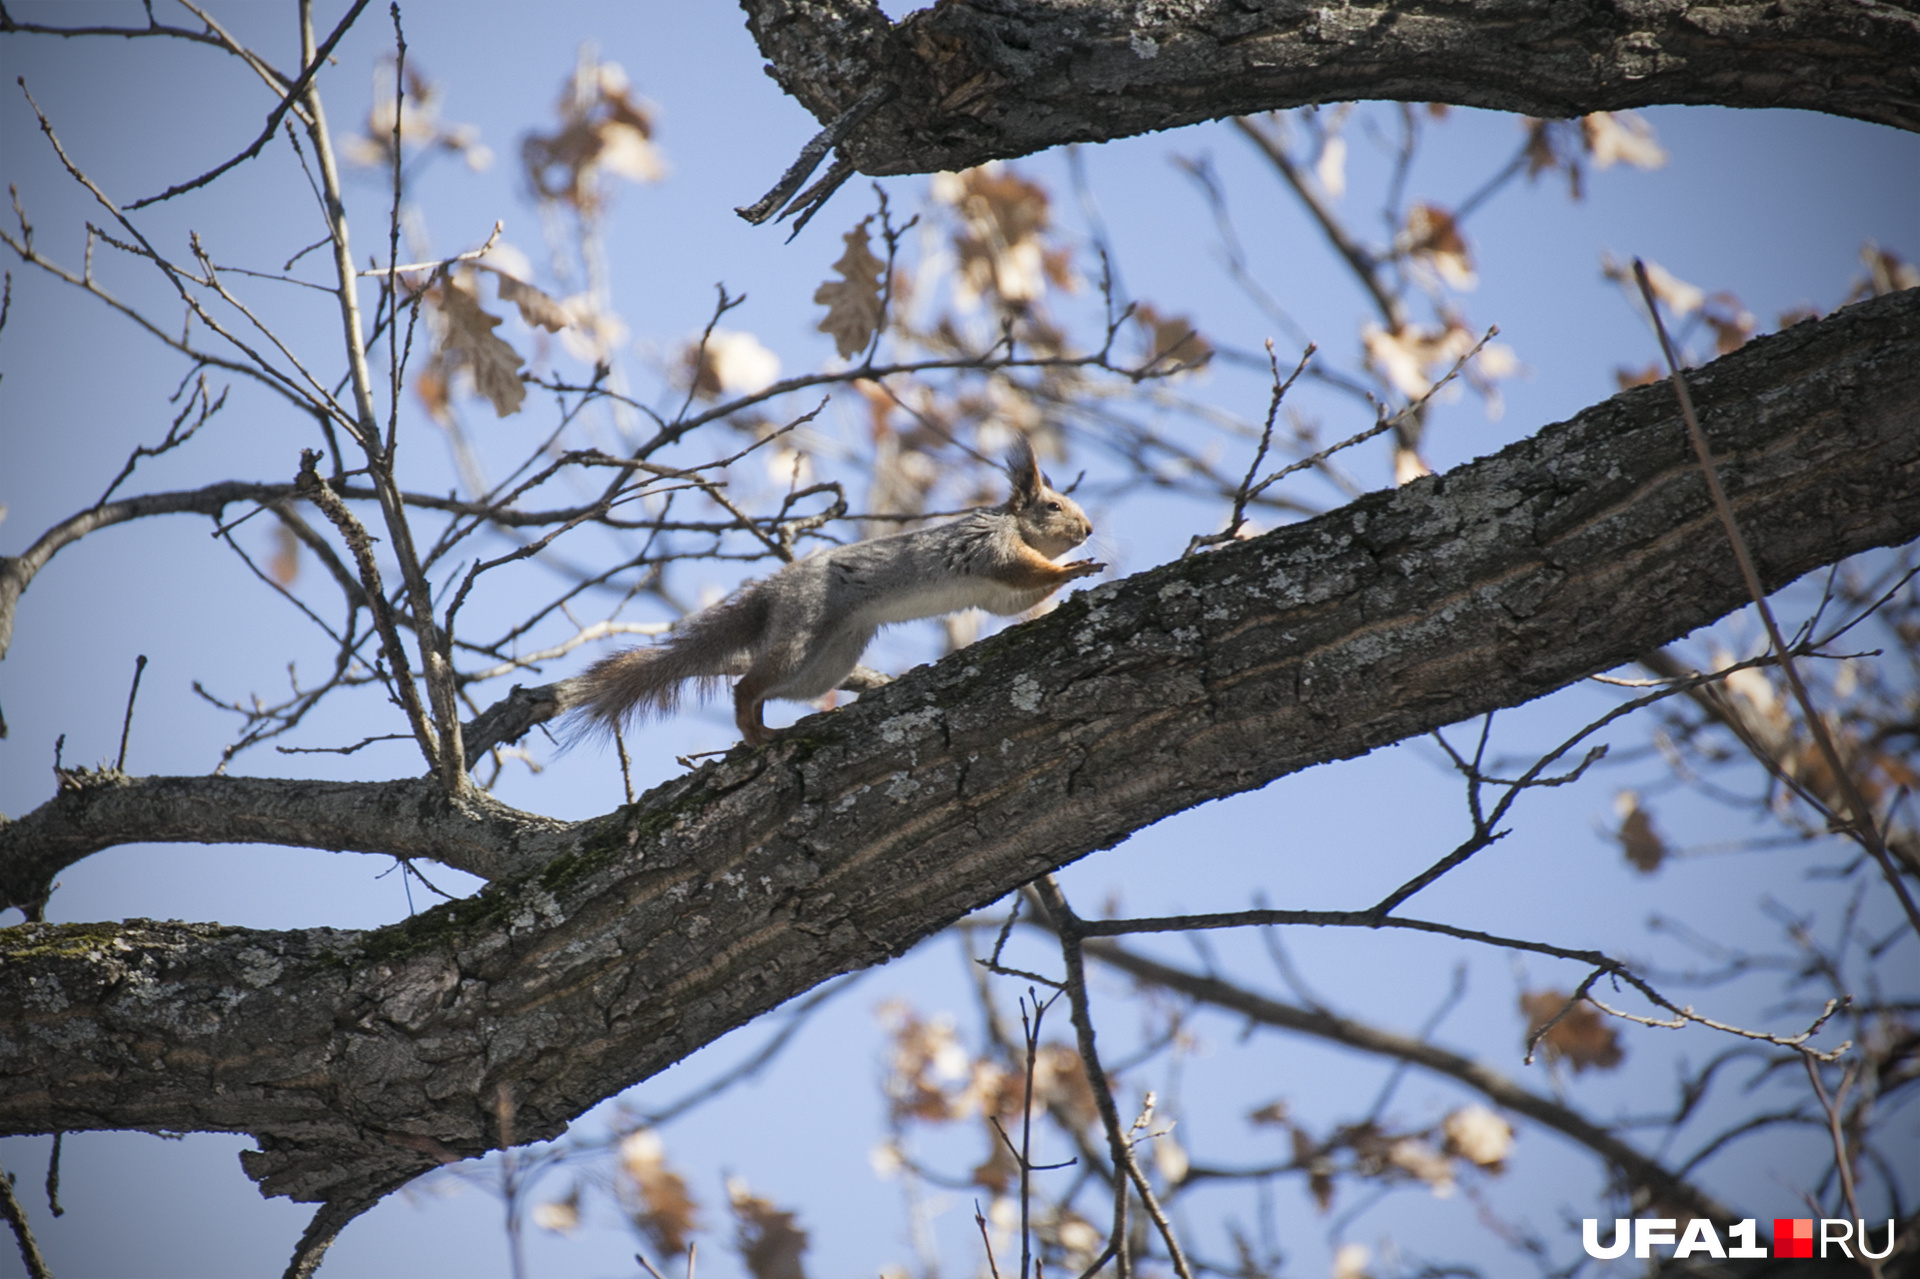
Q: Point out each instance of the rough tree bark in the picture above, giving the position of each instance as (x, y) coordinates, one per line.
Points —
(976, 80)
(608, 949)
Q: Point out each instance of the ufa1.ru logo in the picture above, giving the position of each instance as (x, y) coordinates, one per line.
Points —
(1792, 1237)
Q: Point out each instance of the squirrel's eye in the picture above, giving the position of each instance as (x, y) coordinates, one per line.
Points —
(1053, 506)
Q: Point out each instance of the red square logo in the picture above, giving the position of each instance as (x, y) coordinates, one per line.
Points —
(1793, 1236)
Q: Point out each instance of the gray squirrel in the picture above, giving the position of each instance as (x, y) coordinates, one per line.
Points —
(799, 634)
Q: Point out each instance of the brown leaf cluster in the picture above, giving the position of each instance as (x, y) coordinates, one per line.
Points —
(656, 1196)
(1868, 752)
(1584, 1037)
(604, 128)
(1412, 357)
(1621, 137)
(1171, 340)
(1886, 273)
(932, 1079)
(1638, 839)
(854, 306)
(1001, 248)
(1605, 138)
(1472, 1135)
(1722, 313)
(768, 1239)
(421, 128)
(1433, 239)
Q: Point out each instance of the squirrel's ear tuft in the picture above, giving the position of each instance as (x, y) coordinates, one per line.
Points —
(1023, 468)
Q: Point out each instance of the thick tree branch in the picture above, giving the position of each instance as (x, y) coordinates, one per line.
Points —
(106, 809)
(356, 1058)
(979, 81)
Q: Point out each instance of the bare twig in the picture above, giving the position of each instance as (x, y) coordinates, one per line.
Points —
(993, 1267)
(1068, 927)
(126, 724)
(1842, 1163)
(53, 1178)
(361, 545)
(279, 112)
(1246, 493)
(22, 1233)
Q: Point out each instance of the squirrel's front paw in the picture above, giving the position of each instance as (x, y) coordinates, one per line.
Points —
(1083, 568)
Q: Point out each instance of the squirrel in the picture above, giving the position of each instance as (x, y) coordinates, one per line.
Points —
(799, 634)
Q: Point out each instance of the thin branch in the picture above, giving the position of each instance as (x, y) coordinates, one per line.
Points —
(1245, 492)
(1067, 927)
(22, 1233)
(355, 534)
(126, 724)
(274, 117)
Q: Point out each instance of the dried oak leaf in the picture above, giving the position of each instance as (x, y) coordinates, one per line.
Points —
(1681, 298)
(562, 1216)
(728, 363)
(1170, 1158)
(1621, 137)
(603, 127)
(284, 567)
(769, 1241)
(925, 1055)
(1416, 1158)
(1003, 216)
(665, 1212)
(1548, 149)
(536, 308)
(1433, 237)
(1886, 273)
(1412, 356)
(1583, 1037)
(1330, 170)
(1171, 339)
(1732, 323)
(1638, 839)
(853, 304)
(1479, 1136)
(1060, 1083)
(1274, 1112)
(1319, 1164)
(468, 341)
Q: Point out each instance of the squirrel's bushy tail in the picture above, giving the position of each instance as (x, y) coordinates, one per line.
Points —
(705, 647)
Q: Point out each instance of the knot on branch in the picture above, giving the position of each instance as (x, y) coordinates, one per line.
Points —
(82, 778)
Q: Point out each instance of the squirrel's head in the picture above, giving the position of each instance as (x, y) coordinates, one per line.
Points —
(1050, 522)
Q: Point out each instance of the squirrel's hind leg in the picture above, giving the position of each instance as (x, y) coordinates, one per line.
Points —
(749, 697)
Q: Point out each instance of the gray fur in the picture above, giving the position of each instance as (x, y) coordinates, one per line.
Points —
(798, 634)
